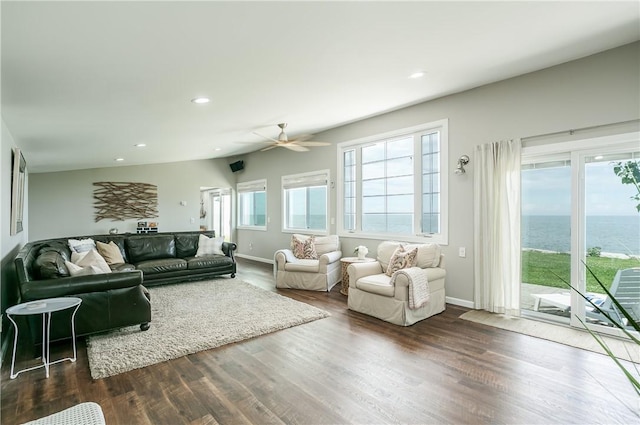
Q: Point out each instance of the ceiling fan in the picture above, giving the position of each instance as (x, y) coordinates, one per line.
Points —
(298, 144)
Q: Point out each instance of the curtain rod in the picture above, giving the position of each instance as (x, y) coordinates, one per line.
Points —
(575, 130)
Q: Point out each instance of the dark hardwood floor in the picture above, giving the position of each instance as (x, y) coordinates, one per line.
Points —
(348, 368)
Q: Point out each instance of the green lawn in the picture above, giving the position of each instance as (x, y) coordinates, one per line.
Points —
(541, 268)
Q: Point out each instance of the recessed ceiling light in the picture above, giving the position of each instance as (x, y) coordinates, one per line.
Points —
(217, 149)
(418, 74)
(140, 145)
(599, 157)
(119, 159)
(201, 100)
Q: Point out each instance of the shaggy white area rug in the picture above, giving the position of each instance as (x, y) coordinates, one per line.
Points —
(191, 317)
(562, 334)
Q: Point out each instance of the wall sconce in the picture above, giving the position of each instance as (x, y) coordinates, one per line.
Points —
(464, 160)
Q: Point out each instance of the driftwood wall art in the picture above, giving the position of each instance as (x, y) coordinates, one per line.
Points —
(119, 201)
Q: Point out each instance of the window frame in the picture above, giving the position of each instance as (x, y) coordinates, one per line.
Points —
(442, 238)
(253, 186)
(305, 180)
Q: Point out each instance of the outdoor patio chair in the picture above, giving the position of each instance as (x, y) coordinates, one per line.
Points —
(626, 290)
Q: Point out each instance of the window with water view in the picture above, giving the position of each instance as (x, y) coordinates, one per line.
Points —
(393, 186)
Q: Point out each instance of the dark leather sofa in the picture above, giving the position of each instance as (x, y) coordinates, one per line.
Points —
(117, 299)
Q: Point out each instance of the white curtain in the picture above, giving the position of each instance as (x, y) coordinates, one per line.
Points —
(497, 227)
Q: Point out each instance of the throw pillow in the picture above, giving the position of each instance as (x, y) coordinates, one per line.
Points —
(209, 246)
(401, 259)
(110, 252)
(50, 265)
(75, 270)
(81, 245)
(91, 258)
(304, 249)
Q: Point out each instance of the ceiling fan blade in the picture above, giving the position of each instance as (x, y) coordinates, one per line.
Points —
(268, 148)
(313, 143)
(301, 138)
(263, 136)
(253, 143)
(295, 147)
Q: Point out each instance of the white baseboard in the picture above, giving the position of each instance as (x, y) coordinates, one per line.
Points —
(460, 302)
(249, 257)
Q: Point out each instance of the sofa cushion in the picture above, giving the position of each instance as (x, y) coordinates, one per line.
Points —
(145, 248)
(310, 266)
(124, 267)
(209, 246)
(186, 245)
(208, 261)
(376, 284)
(110, 252)
(323, 244)
(385, 251)
(50, 265)
(428, 254)
(162, 265)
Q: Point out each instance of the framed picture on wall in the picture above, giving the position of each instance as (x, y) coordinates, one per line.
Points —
(18, 176)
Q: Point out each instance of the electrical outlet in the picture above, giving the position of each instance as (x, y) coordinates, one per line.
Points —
(250, 246)
(462, 252)
(193, 220)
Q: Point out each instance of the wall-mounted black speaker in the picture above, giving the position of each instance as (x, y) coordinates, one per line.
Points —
(237, 166)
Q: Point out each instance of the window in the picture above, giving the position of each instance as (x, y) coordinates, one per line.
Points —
(305, 201)
(394, 185)
(252, 204)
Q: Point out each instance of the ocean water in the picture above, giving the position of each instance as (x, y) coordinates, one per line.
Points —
(616, 234)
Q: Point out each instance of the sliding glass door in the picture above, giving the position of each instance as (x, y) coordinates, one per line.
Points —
(580, 212)
(611, 233)
(546, 237)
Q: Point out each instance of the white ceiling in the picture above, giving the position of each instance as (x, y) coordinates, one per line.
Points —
(82, 82)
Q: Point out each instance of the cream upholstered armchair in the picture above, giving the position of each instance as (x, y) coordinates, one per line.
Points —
(390, 296)
(319, 271)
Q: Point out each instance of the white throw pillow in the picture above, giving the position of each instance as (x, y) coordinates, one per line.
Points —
(209, 246)
(91, 258)
(81, 245)
(75, 270)
(77, 256)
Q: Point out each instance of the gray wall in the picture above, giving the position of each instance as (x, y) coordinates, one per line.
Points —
(10, 244)
(62, 202)
(599, 89)
(596, 90)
